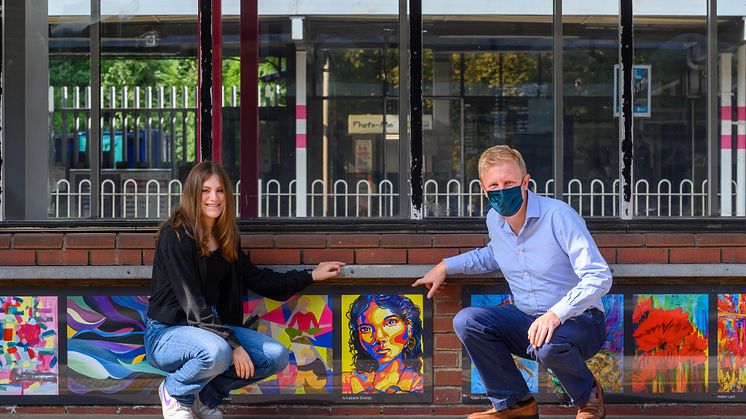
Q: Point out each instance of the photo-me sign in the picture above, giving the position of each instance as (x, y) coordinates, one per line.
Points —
(374, 124)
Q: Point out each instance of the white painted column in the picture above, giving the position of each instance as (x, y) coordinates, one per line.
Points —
(726, 137)
(301, 155)
(741, 141)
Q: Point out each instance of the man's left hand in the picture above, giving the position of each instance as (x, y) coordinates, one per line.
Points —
(541, 329)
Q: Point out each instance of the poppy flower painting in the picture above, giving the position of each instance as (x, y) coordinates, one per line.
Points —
(731, 343)
(670, 343)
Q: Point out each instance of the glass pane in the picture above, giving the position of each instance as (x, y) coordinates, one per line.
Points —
(349, 158)
(487, 78)
(669, 109)
(69, 121)
(591, 131)
(732, 107)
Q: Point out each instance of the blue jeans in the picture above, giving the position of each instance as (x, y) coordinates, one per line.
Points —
(199, 361)
(492, 334)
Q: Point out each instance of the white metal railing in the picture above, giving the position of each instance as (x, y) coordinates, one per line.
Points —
(154, 198)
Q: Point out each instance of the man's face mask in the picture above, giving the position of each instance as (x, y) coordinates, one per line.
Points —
(507, 201)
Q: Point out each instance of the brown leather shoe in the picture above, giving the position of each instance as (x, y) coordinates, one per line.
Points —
(527, 411)
(594, 407)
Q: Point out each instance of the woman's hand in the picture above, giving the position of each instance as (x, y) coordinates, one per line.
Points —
(327, 270)
(242, 362)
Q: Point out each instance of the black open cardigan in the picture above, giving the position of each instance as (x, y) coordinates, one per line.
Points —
(180, 272)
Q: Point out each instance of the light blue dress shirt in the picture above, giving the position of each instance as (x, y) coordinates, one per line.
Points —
(551, 264)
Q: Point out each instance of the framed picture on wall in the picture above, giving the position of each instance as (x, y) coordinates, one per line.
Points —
(641, 90)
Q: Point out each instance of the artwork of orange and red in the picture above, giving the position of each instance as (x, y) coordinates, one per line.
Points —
(731, 343)
(670, 343)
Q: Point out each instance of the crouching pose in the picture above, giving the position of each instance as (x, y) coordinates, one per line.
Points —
(194, 328)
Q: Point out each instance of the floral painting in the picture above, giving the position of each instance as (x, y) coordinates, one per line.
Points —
(731, 343)
(670, 343)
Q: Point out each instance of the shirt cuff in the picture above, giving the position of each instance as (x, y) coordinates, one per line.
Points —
(562, 310)
(454, 265)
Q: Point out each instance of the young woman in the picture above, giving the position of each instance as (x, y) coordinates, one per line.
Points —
(195, 315)
(385, 342)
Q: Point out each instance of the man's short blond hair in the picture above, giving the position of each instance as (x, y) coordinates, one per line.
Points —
(500, 154)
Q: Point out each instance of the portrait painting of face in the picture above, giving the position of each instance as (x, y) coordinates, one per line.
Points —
(383, 333)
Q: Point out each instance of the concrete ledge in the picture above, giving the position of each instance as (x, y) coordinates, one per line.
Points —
(366, 271)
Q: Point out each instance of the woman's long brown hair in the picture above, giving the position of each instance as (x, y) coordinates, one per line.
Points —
(189, 212)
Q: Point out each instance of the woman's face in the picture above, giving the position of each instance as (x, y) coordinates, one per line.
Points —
(213, 197)
(382, 333)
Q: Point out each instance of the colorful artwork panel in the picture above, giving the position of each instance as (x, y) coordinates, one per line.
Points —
(608, 364)
(731, 343)
(529, 368)
(670, 343)
(382, 348)
(105, 352)
(29, 355)
(304, 326)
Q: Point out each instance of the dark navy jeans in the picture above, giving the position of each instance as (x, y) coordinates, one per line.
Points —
(492, 334)
(200, 362)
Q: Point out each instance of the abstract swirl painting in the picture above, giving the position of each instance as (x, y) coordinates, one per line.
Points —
(29, 357)
(105, 351)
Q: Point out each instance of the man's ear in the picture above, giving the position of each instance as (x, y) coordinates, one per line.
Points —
(484, 190)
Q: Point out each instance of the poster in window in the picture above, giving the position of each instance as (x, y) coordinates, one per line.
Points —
(641, 93)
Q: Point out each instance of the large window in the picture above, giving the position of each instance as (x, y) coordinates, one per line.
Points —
(335, 106)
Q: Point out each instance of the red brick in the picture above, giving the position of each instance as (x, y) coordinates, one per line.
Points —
(249, 411)
(381, 256)
(721, 409)
(342, 410)
(275, 257)
(642, 256)
(618, 240)
(353, 240)
(678, 410)
(62, 257)
(420, 256)
(459, 410)
(623, 410)
(447, 341)
(446, 396)
(668, 240)
(444, 307)
(147, 257)
(609, 254)
(257, 241)
(90, 240)
(140, 410)
(5, 241)
(91, 410)
(443, 324)
(136, 241)
(303, 241)
(40, 410)
(313, 256)
(17, 257)
(449, 291)
(37, 241)
(406, 240)
(720, 239)
(447, 377)
(734, 255)
(443, 359)
(459, 240)
(285, 411)
(558, 410)
(695, 255)
(407, 411)
(116, 257)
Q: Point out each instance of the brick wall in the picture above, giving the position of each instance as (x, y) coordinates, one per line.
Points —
(136, 248)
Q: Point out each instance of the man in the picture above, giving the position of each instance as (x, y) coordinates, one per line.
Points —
(557, 277)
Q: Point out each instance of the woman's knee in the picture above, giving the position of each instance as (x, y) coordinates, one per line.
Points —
(216, 355)
(277, 355)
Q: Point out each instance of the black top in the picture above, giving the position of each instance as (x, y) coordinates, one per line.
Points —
(218, 278)
(179, 271)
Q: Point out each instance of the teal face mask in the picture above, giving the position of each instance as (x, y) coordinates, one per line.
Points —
(507, 201)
